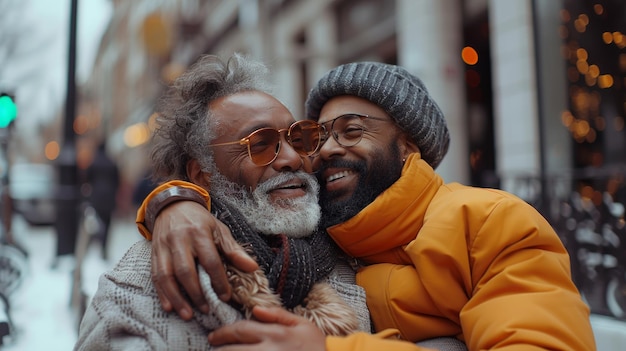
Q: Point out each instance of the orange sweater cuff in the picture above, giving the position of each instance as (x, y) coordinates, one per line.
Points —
(141, 212)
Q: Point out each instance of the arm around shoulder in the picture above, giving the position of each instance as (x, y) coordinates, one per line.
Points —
(163, 195)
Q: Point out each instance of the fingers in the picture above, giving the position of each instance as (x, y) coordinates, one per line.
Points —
(173, 259)
(185, 232)
(210, 259)
(248, 331)
(280, 330)
(187, 276)
(166, 284)
(276, 315)
(234, 253)
(242, 332)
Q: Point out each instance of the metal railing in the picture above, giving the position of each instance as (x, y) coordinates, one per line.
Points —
(586, 208)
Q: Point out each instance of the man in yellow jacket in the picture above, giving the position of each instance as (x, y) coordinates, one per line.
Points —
(436, 259)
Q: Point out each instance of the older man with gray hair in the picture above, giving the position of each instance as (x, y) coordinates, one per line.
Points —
(220, 130)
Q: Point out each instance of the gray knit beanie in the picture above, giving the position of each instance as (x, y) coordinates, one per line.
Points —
(402, 95)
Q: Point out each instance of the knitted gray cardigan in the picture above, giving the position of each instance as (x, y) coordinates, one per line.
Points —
(125, 313)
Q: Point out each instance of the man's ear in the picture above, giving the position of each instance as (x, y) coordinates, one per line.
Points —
(407, 146)
(196, 175)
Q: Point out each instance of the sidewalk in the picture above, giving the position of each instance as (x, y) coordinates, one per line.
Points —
(40, 308)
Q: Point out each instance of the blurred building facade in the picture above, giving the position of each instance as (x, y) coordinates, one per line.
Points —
(490, 105)
(533, 90)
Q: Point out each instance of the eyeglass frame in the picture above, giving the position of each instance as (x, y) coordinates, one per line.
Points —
(246, 140)
(336, 136)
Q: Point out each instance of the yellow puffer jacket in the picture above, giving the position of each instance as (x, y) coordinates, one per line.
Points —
(478, 264)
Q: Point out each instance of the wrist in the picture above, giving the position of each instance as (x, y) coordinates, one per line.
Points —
(167, 197)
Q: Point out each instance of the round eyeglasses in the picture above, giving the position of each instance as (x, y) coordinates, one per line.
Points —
(264, 144)
(348, 129)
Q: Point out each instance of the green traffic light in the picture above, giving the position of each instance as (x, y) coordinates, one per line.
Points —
(8, 111)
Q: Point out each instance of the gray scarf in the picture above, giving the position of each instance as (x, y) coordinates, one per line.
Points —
(292, 265)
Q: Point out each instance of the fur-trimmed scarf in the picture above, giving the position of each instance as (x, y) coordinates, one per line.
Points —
(292, 265)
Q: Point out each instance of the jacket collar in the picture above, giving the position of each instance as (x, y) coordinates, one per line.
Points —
(380, 231)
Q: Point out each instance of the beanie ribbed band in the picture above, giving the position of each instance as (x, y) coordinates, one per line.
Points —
(402, 95)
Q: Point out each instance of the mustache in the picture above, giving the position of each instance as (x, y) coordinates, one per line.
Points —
(358, 166)
(309, 181)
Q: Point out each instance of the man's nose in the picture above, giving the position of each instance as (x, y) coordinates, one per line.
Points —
(331, 147)
(288, 159)
(328, 150)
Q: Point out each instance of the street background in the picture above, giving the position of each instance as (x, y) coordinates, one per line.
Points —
(40, 308)
(534, 93)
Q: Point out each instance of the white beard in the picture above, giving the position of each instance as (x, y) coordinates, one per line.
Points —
(295, 218)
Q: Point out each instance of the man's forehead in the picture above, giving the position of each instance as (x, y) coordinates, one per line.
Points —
(247, 111)
(345, 104)
(252, 100)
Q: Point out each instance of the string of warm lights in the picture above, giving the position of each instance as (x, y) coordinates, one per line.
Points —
(589, 82)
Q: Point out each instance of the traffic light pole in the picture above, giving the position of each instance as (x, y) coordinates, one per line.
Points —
(67, 214)
(6, 204)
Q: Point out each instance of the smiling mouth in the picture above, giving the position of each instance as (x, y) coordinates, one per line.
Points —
(301, 185)
(338, 175)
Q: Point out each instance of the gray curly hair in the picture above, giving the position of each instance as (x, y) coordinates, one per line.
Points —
(184, 124)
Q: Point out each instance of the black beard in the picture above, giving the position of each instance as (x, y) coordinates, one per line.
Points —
(383, 172)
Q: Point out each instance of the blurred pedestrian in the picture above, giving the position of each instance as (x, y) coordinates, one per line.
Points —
(104, 180)
(142, 189)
